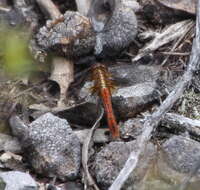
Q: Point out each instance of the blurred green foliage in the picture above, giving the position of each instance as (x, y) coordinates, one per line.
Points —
(14, 53)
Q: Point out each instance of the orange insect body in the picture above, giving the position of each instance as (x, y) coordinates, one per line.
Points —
(103, 85)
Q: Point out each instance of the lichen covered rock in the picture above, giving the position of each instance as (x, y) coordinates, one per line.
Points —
(111, 159)
(71, 36)
(76, 36)
(51, 146)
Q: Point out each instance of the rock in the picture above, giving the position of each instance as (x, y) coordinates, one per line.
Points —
(16, 180)
(76, 35)
(129, 101)
(9, 143)
(174, 162)
(2, 184)
(75, 28)
(7, 107)
(28, 9)
(131, 129)
(156, 13)
(12, 161)
(84, 115)
(188, 6)
(131, 74)
(116, 26)
(21, 13)
(51, 146)
(12, 17)
(51, 187)
(177, 158)
(196, 81)
(111, 159)
(72, 185)
(3, 3)
(182, 153)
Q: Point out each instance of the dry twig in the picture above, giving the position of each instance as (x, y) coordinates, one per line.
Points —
(152, 121)
(88, 180)
(173, 32)
(83, 6)
(175, 53)
(181, 38)
(4, 9)
(99, 135)
(48, 7)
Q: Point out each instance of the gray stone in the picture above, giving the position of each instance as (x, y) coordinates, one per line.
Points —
(51, 146)
(52, 187)
(117, 28)
(130, 129)
(2, 184)
(28, 10)
(11, 161)
(3, 3)
(117, 34)
(12, 17)
(176, 158)
(16, 180)
(9, 143)
(129, 101)
(73, 27)
(72, 186)
(132, 74)
(181, 153)
(83, 115)
(110, 160)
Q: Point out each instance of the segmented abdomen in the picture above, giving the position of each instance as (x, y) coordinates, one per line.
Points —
(103, 86)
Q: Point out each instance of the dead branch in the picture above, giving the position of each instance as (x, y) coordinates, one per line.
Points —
(99, 135)
(89, 181)
(4, 9)
(173, 32)
(83, 6)
(176, 44)
(152, 121)
(176, 121)
(175, 53)
(48, 7)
